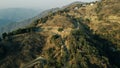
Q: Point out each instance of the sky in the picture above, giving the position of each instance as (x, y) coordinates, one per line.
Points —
(36, 4)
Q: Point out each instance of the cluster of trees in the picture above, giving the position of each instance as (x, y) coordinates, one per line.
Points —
(0, 39)
(43, 20)
(60, 29)
(4, 35)
(87, 20)
(81, 51)
(99, 7)
(56, 36)
(63, 11)
(57, 40)
(109, 49)
(19, 31)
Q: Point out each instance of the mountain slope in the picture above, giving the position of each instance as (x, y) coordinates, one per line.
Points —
(10, 17)
(17, 14)
(68, 38)
(9, 26)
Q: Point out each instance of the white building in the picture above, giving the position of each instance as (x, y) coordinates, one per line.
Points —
(91, 4)
(76, 8)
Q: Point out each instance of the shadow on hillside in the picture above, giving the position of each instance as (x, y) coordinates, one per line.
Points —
(107, 49)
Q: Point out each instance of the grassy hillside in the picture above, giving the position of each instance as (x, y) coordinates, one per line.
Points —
(75, 37)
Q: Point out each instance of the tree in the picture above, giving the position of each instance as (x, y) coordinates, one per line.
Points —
(60, 29)
(0, 39)
(87, 20)
(4, 35)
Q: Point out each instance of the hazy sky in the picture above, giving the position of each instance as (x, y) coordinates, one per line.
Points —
(43, 4)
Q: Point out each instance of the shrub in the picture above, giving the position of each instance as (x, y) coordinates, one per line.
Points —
(0, 39)
(100, 17)
(60, 29)
(87, 20)
(66, 10)
(98, 8)
(43, 20)
(35, 22)
(24, 30)
(4, 35)
(55, 37)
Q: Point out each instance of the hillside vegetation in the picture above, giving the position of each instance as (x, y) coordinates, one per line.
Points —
(81, 35)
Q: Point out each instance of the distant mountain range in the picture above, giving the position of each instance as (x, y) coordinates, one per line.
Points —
(13, 16)
(17, 14)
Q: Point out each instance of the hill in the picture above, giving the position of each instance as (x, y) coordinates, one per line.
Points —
(10, 17)
(74, 37)
(17, 14)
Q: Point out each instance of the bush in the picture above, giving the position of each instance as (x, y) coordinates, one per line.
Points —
(66, 10)
(100, 17)
(4, 35)
(60, 29)
(54, 37)
(35, 22)
(57, 40)
(87, 20)
(44, 20)
(99, 8)
(2, 52)
(24, 30)
(0, 39)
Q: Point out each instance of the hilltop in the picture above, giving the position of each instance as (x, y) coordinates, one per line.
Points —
(80, 35)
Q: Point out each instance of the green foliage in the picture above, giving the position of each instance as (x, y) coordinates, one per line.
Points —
(43, 20)
(4, 35)
(100, 17)
(77, 21)
(0, 39)
(35, 22)
(66, 10)
(57, 40)
(51, 60)
(60, 12)
(60, 29)
(24, 50)
(80, 49)
(87, 20)
(79, 5)
(2, 51)
(56, 36)
(98, 9)
(21, 31)
(84, 47)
